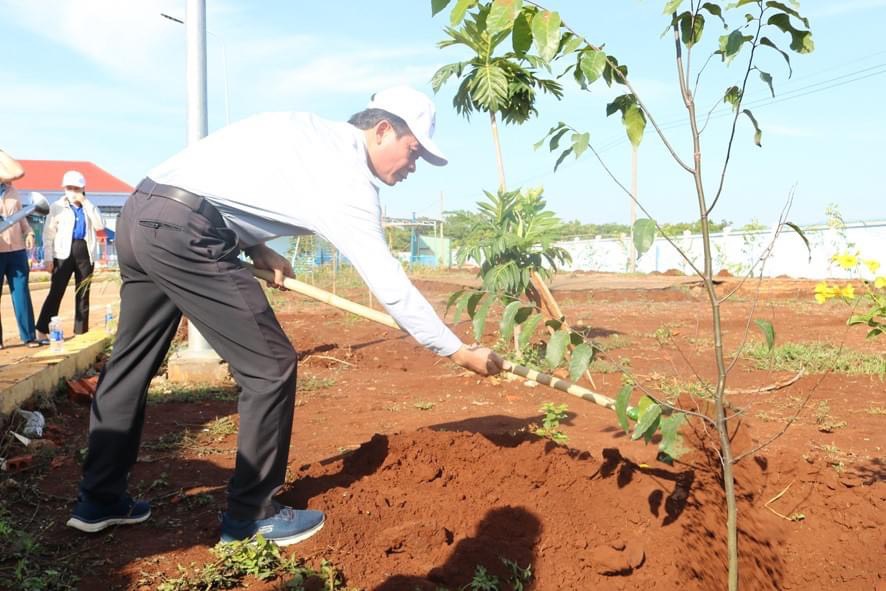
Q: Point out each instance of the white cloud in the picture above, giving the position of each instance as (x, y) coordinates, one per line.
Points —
(129, 39)
(357, 71)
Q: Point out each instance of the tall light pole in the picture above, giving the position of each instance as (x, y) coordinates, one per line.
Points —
(224, 53)
(195, 31)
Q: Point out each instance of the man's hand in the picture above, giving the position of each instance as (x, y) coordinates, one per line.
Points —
(266, 258)
(48, 266)
(29, 241)
(481, 360)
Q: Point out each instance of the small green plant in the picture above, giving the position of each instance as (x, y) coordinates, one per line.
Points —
(520, 577)
(554, 414)
(256, 557)
(483, 580)
(424, 405)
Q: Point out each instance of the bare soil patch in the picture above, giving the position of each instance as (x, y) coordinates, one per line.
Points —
(426, 472)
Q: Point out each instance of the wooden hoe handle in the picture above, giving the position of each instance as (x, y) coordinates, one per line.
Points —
(382, 318)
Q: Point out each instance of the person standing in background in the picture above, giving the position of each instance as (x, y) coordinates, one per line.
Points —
(69, 246)
(15, 242)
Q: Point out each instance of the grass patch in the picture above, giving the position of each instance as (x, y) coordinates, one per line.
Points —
(164, 392)
(612, 342)
(826, 423)
(608, 366)
(816, 358)
(311, 383)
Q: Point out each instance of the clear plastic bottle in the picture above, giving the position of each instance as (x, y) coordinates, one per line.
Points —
(109, 319)
(56, 335)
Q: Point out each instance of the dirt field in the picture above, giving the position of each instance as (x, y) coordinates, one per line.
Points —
(426, 472)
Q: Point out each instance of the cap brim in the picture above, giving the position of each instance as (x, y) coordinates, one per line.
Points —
(431, 153)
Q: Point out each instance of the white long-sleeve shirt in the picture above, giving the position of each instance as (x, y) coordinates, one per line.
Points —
(285, 174)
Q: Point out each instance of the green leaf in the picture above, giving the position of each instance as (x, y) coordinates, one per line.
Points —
(555, 139)
(452, 299)
(592, 64)
(521, 36)
(482, 312)
(731, 44)
(644, 235)
(473, 300)
(767, 42)
(758, 134)
(797, 229)
(460, 306)
(691, 28)
(635, 123)
(787, 9)
(621, 406)
(768, 80)
(508, 317)
(715, 11)
(489, 87)
(546, 33)
(671, 440)
(580, 360)
(502, 15)
(527, 330)
(801, 41)
(556, 347)
(458, 12)
(580, 142)
(437, 6)
(562, 157)
(768, 332)
(644, 403)
(672, 6)
(648, 421)
(732, 96)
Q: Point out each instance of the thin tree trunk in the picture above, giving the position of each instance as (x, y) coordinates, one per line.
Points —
(632, 251)
(502, 185)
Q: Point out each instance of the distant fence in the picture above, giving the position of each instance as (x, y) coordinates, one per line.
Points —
(738, 251)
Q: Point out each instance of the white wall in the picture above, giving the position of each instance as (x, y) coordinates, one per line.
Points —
(738, 251)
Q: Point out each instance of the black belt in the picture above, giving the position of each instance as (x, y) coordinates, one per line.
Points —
(190, 200)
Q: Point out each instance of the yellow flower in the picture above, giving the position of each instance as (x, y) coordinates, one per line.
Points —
(880, 282)
(848, 292)
(846, 260)
(824, 292)
(872, 265)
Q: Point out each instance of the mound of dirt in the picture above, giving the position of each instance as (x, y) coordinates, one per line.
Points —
(421, 510)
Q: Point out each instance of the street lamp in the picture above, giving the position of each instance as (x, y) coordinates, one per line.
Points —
(224, 63)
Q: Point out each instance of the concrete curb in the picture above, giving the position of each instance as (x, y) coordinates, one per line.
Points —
(41, 372)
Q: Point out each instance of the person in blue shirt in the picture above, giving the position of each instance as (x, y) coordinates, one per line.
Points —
(69, 246)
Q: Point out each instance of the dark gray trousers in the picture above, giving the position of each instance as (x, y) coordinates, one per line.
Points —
(174, 261)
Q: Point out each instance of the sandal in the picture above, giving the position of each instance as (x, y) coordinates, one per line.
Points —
(33, 344)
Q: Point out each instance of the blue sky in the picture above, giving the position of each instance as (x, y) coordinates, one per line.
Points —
(103, 80)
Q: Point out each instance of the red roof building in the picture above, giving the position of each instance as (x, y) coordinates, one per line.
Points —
(46, 175)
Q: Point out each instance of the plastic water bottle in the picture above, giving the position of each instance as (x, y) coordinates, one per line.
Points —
(109, 319)
(56, 335)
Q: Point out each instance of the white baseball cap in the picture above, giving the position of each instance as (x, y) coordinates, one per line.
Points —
(74, 178)
(417, 110)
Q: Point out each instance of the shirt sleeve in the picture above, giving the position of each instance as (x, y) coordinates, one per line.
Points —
(357, 233)
(49, 229)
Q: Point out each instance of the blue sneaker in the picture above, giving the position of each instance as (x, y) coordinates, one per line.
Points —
(93, 517)
(288, 526)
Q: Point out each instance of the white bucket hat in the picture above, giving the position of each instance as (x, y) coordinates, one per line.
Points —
(417, 110)
(74, 178)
